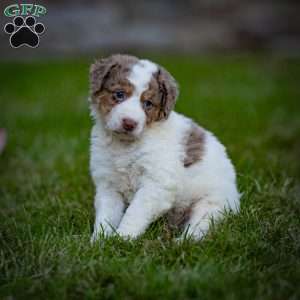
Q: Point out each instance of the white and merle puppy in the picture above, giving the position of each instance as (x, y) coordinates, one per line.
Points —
(146, 159)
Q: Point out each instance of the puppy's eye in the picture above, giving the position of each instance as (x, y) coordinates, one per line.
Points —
(119, 96)
(147, 104)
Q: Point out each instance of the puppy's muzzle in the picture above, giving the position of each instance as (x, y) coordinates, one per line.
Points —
(128, 124)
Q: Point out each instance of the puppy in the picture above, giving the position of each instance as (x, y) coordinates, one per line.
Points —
(147, 160)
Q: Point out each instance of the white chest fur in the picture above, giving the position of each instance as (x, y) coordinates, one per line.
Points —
(123, 165)
(128, 169)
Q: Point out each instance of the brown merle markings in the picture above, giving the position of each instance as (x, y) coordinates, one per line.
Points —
(178, 217)
(107, 76)
(152, 94)
(110, 74)
(105, 98)
(194, 145)
(168, 90)
(162, 92)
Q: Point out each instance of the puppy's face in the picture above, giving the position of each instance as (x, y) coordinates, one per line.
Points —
(131, 94)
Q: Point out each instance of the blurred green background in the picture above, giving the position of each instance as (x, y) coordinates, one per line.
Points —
(249, 102)
(238, 77)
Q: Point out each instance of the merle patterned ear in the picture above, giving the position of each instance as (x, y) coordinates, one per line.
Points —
(99, 72)
(168, 90)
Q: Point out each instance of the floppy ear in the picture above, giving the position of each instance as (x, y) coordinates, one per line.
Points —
(99, 72)
(168, 90)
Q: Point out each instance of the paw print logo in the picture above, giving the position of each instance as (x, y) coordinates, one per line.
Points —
(24, 32)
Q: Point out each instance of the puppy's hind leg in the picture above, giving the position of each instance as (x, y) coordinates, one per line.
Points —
(202, 213)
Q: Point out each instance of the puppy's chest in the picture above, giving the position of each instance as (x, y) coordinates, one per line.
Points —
(128, 169)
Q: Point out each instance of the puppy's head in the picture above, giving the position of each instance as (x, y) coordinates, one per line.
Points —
(130, 94)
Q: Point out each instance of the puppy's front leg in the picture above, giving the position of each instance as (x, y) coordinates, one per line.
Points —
(109, 208)
(149, 203)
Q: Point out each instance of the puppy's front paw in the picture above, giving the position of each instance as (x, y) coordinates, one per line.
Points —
(126, 235)
(100, 235)
(95, 237)
(102, 231)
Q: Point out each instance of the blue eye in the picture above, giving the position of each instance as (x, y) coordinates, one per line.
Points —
(119, 96)
(147, 104)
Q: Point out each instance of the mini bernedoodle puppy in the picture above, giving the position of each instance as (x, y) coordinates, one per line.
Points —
(146, 159)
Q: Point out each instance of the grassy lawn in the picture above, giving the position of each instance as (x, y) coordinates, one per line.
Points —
(46, 194)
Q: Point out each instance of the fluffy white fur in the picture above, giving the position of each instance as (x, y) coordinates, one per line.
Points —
(148, 175)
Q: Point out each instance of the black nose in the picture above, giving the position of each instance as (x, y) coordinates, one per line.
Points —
(129, 124)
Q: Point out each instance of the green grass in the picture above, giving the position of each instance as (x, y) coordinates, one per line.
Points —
(46, 194)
